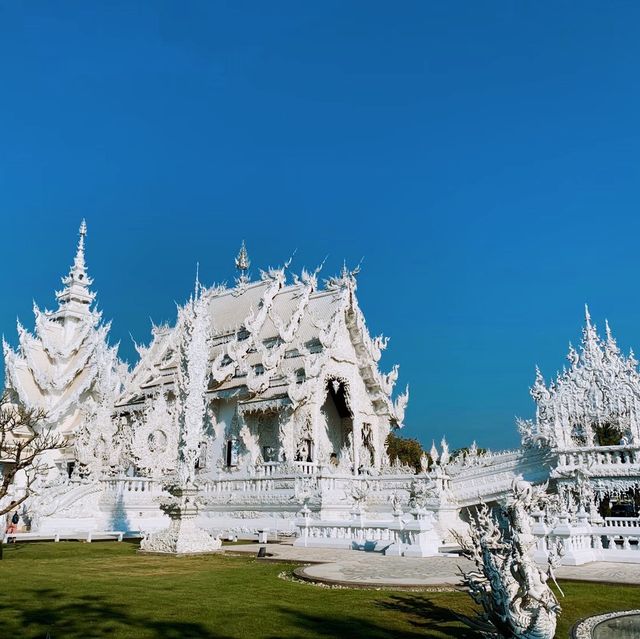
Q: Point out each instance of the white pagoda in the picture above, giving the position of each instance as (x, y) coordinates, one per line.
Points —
(67, 367)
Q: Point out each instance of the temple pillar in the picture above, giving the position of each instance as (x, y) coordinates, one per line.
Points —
(356, 443)
(316, 435)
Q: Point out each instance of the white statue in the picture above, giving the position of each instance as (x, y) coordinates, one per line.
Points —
(516, 599)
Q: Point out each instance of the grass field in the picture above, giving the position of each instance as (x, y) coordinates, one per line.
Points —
(82, 591)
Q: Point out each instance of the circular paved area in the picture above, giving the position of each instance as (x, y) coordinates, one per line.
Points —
(388, 571)
(360, 569)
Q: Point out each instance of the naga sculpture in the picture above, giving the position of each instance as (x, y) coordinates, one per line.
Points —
(516, 600)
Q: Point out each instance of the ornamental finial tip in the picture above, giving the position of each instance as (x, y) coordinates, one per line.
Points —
(607, 329)
(82, 232)
(242, 260)
(197, 285)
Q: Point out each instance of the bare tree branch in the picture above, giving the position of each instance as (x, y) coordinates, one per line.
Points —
(24, 436)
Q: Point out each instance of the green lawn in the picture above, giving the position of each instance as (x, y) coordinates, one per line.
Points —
(81, 591)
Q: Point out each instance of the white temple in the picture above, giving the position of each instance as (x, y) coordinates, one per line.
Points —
(274, 413)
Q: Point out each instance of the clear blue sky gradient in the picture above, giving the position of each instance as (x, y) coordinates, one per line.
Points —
(482, 157)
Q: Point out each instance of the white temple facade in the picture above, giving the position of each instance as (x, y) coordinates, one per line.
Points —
(291, 414)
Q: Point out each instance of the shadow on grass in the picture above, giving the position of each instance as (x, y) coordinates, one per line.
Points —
(425, 614)
(427, 618)
(91, 617)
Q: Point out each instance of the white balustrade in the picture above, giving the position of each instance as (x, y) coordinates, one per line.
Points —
(416, 538)
(622, 522)
(600, 456)
(306, 468)
(125, 485)
(616, 540)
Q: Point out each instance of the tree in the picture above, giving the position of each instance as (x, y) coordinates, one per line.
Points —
(607, 434)
(408, 451)
(24, 436)
(465, 450)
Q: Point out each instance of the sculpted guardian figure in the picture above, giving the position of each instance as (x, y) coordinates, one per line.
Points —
(516, 599)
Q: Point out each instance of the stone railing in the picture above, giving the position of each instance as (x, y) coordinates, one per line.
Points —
(416, 538)
(346, 534)
(245, 485)
(306, 468)
(127, 485)
(623, 522)
(616, 539)
(269, 469)
(599, 456)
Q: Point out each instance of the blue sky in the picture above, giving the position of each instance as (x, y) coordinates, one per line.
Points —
(482, 157)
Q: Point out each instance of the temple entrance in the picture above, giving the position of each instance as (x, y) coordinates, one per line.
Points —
(337, 416)
(267, 429)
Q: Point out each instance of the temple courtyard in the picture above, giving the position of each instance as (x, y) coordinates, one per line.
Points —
(76, 590)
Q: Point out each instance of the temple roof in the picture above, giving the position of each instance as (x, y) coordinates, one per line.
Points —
(265, 336)
(229, 311)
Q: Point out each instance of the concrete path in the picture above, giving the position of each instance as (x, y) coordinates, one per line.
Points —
(355, 568)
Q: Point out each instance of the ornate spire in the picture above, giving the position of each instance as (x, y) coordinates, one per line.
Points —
(197, 287)
(445, 455)
(434, 453)
(82, 232)
(242, 264)
(76, 298)
(611, 346)
(242, 260)
(590, 340)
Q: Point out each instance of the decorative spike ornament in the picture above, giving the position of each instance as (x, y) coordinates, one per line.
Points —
(445, 455)
(434, 453)
(243, 263)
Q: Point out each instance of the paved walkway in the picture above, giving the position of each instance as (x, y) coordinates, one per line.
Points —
(352, 567)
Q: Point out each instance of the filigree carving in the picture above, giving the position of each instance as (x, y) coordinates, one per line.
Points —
(154, 444)
(598, 395)
(516, 599)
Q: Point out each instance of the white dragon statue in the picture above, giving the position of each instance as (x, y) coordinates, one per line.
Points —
(517, 601)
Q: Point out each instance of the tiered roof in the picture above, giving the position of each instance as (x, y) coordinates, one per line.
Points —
(269, 337)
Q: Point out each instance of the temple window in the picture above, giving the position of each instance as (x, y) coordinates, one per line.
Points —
(314, 346)
(231, 452)
(201, 462)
